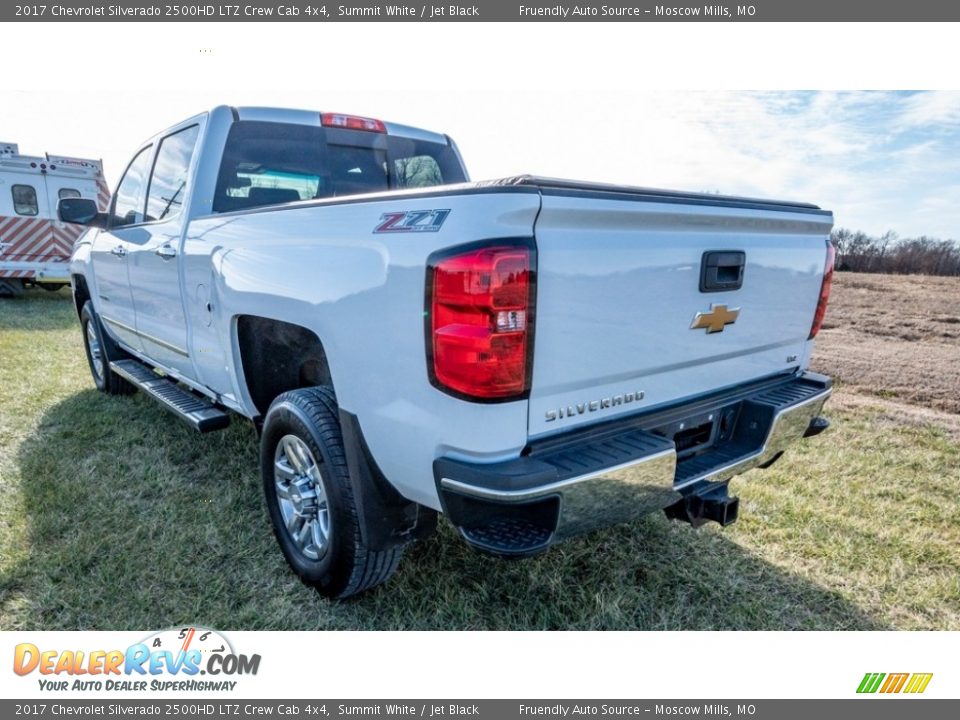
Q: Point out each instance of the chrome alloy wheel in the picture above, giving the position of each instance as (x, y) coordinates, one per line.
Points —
(96, 354)
(302, 497)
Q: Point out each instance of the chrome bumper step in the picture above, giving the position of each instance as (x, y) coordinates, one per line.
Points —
(569, 484)
(199, 413)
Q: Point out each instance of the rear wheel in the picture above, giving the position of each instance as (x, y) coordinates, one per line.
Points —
(100, 351)
(310, 499)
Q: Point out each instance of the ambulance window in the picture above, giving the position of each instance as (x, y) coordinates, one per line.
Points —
(128, 206)
(65, 193)
(24, 200)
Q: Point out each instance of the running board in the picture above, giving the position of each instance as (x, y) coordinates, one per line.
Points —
(198, 413)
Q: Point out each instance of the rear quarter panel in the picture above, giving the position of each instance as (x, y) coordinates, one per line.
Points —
(320, 265)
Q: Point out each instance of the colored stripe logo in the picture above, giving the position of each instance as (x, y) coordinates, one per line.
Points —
(912, 683)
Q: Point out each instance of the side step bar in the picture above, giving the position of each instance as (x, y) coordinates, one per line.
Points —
(198, 413)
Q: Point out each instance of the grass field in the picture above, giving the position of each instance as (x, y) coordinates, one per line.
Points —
(895, 336)
(115, 516)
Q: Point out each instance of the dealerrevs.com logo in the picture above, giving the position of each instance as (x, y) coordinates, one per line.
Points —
(167, 660)
(893, 683)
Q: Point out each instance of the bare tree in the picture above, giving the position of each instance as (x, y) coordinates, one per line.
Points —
(859, 252)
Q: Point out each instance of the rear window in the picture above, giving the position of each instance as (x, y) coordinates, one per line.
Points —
(272, 163)
(417, 171)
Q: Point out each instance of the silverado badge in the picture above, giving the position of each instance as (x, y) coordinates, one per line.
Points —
(715, 320)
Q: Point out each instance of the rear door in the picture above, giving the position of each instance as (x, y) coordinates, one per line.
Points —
(111, 249)
(624, 321)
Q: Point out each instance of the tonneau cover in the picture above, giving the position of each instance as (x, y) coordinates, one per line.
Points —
(550, 185)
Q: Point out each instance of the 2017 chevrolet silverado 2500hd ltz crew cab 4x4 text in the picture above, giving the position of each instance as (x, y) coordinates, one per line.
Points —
(535, 358)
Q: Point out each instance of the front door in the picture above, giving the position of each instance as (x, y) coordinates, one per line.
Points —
(154, 263)
(111, 250)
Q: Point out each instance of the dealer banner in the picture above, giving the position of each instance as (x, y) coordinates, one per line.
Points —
(484, 11)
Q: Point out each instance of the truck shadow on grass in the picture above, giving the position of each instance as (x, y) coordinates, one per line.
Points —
(134, 522)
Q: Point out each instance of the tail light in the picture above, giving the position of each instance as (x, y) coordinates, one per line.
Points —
(824, 291)
(480, 323)
(352, 122)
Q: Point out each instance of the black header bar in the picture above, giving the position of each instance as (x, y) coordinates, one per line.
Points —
(482, 11)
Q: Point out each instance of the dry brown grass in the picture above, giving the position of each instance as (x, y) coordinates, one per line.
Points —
(894, 337)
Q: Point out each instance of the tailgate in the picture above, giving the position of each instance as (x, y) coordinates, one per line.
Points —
(619, 287)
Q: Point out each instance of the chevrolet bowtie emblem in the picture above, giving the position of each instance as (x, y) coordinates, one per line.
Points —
(715, 320)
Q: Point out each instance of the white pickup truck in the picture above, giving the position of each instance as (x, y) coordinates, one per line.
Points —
(535, 358)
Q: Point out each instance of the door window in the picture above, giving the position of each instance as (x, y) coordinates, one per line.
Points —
(168, 184)
(24, 200)
(66, 193)
(128, 207)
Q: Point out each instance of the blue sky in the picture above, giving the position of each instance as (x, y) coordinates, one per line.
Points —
(880, 160)
(617, 102)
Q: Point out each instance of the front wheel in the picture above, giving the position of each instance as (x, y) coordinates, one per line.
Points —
(100, 349)
(310, 500)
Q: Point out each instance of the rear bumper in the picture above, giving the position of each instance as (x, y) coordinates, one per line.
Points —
(616, 472)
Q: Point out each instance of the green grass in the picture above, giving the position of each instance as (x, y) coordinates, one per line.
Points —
(115, 516)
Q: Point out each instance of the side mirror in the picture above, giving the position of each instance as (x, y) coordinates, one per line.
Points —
(81, 211)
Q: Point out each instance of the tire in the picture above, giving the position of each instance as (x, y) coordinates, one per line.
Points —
(11, 287)
(100, 350)
(52, 287)
(301, 452)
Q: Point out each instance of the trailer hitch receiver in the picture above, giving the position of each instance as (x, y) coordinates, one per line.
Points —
(716, 504)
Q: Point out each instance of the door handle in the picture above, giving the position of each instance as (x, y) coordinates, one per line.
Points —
(119, 251)
(166, 252)
(722, 270)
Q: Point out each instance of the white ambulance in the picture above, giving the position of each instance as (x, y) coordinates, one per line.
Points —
(35, 246)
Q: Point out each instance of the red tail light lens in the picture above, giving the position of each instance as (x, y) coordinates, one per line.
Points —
(824, 291)
(480, 322)
(352, 122)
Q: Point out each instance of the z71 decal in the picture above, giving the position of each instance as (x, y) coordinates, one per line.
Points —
(412, 221)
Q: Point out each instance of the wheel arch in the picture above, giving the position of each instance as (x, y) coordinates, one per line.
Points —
(276, 356)
(81, 292)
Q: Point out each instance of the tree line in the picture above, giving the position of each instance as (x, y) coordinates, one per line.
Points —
(888, 253)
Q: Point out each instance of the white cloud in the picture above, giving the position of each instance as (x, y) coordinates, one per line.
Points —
(934, 108)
